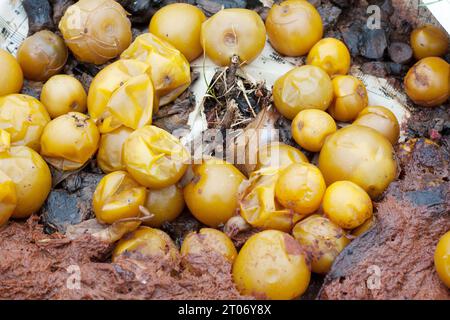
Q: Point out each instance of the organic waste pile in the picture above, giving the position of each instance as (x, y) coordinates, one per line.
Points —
(102, 198)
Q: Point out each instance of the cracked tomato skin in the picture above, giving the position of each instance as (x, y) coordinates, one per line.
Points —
(117, 197)
(69, 141)
(24, 118)
(185, 33)
(311, 127)
(212, 195)
(207, 240)
(350, 97)
(361, 155)
(278, 155)
(169, 70)
(428, 41)
(347, 204)
(109, 156)
(42, 55)
(442, 259)
(146, 242)
(165, 204)
(427, 83)
(331, 55)
(233, 32)
(122, 94)
(293, 27)
(11, 75)
(96, 31)
(305, 87)
(272, 265)
(62, 94)
(322, 239)
(8, 198)
(380, 119)
(155, 158)
(300, 188)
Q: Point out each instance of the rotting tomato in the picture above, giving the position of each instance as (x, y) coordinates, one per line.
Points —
(233, 32)
(278, 155)
(8, 198)
(122, 94)
(185, 33)
(212, 195)
(380, 119)
(272, 265)
(442, 258)
(24, 118)
(305, 87)
(169, 70)
(428, 41)
(331, 55)
(155, 158)
(361, 155)
(322, 239)
(367, 225)
(96, 30)
(42, 55)
(117, 197)
(62, 94)
(350, 97)
(427, 82)
(109, 156)
(347, 204)
(69, 141)
(294, 27)
(11, 75)
(310, 128)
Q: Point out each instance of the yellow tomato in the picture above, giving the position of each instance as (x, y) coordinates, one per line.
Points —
(8, 198)
(429, 41)
(165, 204)
(155, 158)
(380, 119)
(233, 32)
(24, 118)
(185, 33)
(271, 265)
(69, 141)
(331, 55)
(367, 225)
(169, 69)
(278, 155)
(11, 75)
(109, 156)
(442, 258)
(122, 94)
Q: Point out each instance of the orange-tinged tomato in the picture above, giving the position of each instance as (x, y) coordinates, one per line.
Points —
(165, 204)
(11, 75)
(428, 41)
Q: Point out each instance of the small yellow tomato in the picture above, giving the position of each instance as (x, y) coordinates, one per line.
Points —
(380, 119)
(442, 258)
(311, 127)
(212, 195)
(169, 69)
(294, 27)
(233, 32)
(331, 55)
(347, 204)
(11, 75)
(258, 205)
(8, 198)
(305, 87)
(24, 118)
(62, 94)
(42, 55)
(271, 265)
(278, 155)
(165, 204)
(367, 225)
(300, 188)
(96, 30)
(427, 83)
(146, 242)
(350, 97)
(155, 158)
(361, 155)
(428, 41)
(117, 197)
(209, 240)
(185, 33)
(322, 239)
(122, 94)
(69, 141)
(109, 156)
